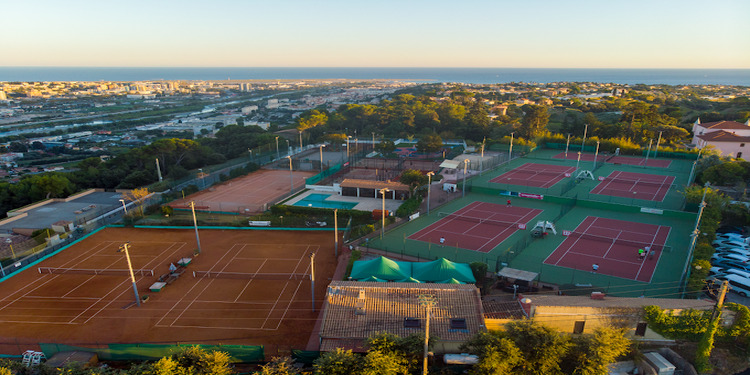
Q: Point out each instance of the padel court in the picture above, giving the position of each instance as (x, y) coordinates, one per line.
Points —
(613, 245)
(634, 185)
(534, 174)
(479, 226)
(245, 287)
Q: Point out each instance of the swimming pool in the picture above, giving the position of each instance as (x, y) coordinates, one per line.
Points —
(319, 200)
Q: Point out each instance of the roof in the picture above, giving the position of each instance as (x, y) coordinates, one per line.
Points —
(502, 309)
(719, 125)
(387, 305)
(608, 301)
(723, 136)
(450, 164)
(369, 184)
(513, 273)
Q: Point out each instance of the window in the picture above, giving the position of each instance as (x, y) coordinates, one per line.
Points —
(578, 328)
(412, 323)
(458, 323)
(640, 329)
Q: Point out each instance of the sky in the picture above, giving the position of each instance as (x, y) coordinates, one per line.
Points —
(384, 33)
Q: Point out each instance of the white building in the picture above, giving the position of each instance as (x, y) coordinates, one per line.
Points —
(731, 138)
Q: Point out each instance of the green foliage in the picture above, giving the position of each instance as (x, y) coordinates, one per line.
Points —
(728, 173)
(429, 143)
(542, 347)
(591, 354)
(479, 270)
(497, 353)
(338, 362)
(279, 366)
(705, 346)
(384, 363)
(409, 206)
(5, 371)
(413, 178)
(167, 210)
(534, 123)
(689, 324)
(353, 257)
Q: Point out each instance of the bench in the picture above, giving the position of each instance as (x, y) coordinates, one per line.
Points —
(157, 286)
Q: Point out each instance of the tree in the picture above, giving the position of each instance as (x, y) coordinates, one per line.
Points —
(279, 366)
(497, 353)
(339, 362)
(726, 174)
(542, 347)
(380, 363)
(534, 123)
(429, 143)
(311, 119)
(137, 196)
(386, 147)
(591, 354)
(413, 178)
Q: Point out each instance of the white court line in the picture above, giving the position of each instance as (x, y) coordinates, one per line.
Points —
(250, 281)
(574, 242)
(290, 300)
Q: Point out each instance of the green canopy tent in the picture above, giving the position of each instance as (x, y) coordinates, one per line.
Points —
(373, 278)
(382, 268)
(450, 281)
(442, 269)
(409, 280)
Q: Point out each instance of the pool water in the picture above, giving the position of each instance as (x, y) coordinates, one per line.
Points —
(319, 200)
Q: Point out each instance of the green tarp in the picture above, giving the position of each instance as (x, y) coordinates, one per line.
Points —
(382, 268)
(450, 281)
(442, 269)
(146, 352)
(437, 271)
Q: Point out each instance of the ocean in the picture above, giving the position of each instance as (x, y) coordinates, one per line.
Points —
(737, 77)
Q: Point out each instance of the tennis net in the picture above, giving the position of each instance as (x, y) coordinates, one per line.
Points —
(639, 182)
(91, 271)
(542, 172)
(471, 219)
(621, 241)
(250, 276)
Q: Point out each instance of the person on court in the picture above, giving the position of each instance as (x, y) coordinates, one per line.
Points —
(641, 254)
(594, 267)
(442, 241)
(509, 203)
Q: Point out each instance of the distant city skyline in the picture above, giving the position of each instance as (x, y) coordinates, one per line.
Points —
(388, 33)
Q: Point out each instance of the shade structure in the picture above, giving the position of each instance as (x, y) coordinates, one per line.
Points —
(442, 269)
(381, 268)
(373, 278)
(409, 280)
(450, 281)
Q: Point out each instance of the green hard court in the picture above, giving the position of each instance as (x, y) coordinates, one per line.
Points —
(566, 209)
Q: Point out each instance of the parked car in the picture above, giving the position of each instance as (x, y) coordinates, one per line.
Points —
(739, 284)
(729, 243)
(716, 272)
(736, 250)
(732, 236)
(726, 263)
(734, 257)
(731, 229)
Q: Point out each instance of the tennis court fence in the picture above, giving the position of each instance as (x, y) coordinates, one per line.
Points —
(250, 276)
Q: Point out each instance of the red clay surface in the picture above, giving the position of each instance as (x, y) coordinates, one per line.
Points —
(634, 185)
(468, 234)
(615, 258)
(619, 159)
(87, 309)
(533, 174)
(245, 195)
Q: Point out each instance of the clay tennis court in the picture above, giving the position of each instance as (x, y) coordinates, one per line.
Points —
(227, 306)
(480, 226)
(534, 174)
(634, 185)
(246, 195)
(618, 159)
(613, 245)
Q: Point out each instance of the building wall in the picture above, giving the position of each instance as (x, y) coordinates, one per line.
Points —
(564, 318)
(728, 148)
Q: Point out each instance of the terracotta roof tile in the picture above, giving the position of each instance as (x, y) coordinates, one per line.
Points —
(723, 136)
(725, 125)
(370, 184)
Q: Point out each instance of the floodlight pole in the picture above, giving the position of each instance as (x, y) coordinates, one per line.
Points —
(596, 155)
(510, 149)
(373, 141)
(336, 232)
(427, 301)
(124, 208)
(463, 188)
(648, 152)
(291, 180)
(203, 182)
(658, 141)
(124, 247)
(321, 157)
(567, 144)
(300, 141)
(481, 160)
(693, 240)
(195, 224)
(692, 170)
(312, 279)
(382, 212)
(429, 185)
(578, 161)
(277, 148)
(585, 132)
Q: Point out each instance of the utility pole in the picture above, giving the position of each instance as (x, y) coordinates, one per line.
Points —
(428, 302)
(693, 240)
